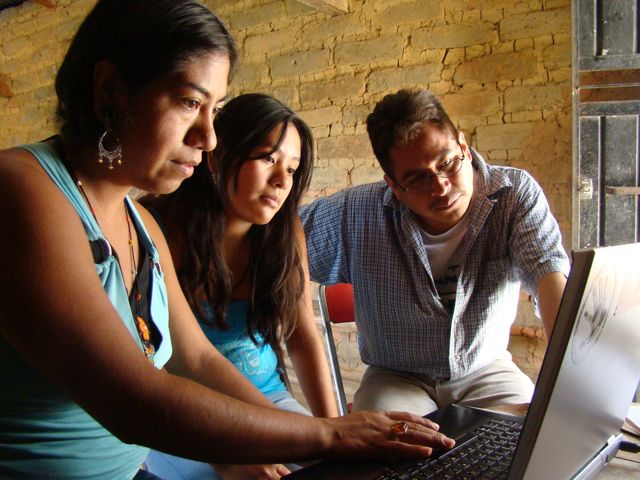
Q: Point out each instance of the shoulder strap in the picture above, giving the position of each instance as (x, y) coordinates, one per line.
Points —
(52, 164)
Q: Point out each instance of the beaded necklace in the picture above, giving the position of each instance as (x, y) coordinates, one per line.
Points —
(142, 327)
(141, 323)
(132, 254)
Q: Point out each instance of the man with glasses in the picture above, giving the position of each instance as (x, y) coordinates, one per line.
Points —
(437, 255)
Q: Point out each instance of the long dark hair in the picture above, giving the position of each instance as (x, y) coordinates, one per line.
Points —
(193, 217)
(145, 39)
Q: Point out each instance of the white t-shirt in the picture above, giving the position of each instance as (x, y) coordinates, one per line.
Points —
(445, 259)
(444, 252)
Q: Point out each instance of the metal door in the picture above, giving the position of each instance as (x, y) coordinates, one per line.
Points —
(606, 117)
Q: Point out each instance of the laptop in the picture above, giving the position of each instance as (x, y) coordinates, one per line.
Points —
(586, 383)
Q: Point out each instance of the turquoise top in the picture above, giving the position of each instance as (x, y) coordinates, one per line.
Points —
(258, 363)
(44, 434)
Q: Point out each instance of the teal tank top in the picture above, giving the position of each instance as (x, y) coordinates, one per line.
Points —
(258, 363)
(44, 434)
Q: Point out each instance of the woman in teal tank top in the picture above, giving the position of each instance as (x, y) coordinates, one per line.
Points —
(100, 353)
(241, 259)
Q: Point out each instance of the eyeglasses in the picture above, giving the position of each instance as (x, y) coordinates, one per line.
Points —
(423, 180)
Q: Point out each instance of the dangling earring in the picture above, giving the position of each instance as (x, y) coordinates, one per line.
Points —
(109, 147)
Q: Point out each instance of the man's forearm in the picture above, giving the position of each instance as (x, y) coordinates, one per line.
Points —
(550, 290)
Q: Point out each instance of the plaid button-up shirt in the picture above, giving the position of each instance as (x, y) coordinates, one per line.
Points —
(364, 236)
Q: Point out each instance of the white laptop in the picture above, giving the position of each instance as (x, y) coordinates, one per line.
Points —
(587, 381)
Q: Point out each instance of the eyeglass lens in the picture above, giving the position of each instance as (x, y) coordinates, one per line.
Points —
(448, 169)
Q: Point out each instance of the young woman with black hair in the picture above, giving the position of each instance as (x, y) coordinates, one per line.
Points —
(240, 257)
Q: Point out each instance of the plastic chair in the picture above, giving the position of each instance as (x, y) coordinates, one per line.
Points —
(336, 306)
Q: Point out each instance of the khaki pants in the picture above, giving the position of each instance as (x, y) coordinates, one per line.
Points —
(499, 383)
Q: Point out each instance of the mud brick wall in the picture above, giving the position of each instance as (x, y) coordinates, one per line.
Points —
(501, 67)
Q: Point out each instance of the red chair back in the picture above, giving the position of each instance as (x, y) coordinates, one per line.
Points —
(340, 304)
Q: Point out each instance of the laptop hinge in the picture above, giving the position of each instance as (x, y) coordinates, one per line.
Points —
(597, 463)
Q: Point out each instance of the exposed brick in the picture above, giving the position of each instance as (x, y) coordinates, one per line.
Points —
(557, 56)
(492, 68)
(454, 56)
(536, 97)
(464, 104)
(469, 16)
(535, 24)
(15, 46)
(328, 6)
(217, 5)
(256, 16)
(451, 36)
(4, 111)
(299, 63)
(270, 42)
(505, 136)
(562, 38)
(65, 31)
(23, 29)
(505, 47)
(342, 26)
(366, 174)
(496, 156)
(549, 4)
(397, 78)
(30, 115)
(356, 146)
(327, 177)
(5, 86)
(287, 93)
(479, 4)
(297, 8)
(355, 114)
(407, 13)
(440, 88)
(251, 73)
(526, 116)
(561, 75)
(322, 116)
(323, 131)
(543, 41)
(474, 51)
(360, 129)
(335, 92)
(45, 95)
(492, 15)
(337, 129)
(523, 44)
(519, 8)
(76, 8)
(344, 163)
(47, 3)
(369, 51)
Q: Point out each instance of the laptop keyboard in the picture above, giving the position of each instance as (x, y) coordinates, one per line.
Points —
(484, 453)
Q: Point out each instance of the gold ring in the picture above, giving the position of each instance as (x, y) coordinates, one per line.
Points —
(399, 429)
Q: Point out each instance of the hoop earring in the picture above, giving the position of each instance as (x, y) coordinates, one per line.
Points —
(109, 147)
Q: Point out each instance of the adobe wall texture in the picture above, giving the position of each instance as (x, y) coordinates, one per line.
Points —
(501, 67)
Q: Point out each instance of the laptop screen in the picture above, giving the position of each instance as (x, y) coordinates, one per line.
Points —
(591, 368)
(586, 383)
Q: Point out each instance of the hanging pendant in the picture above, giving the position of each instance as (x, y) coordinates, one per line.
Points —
(150, 352)
(143, 330)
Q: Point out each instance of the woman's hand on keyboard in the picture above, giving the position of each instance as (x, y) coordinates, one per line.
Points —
(387, 434)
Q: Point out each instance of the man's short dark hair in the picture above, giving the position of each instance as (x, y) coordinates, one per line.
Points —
(398, 118)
